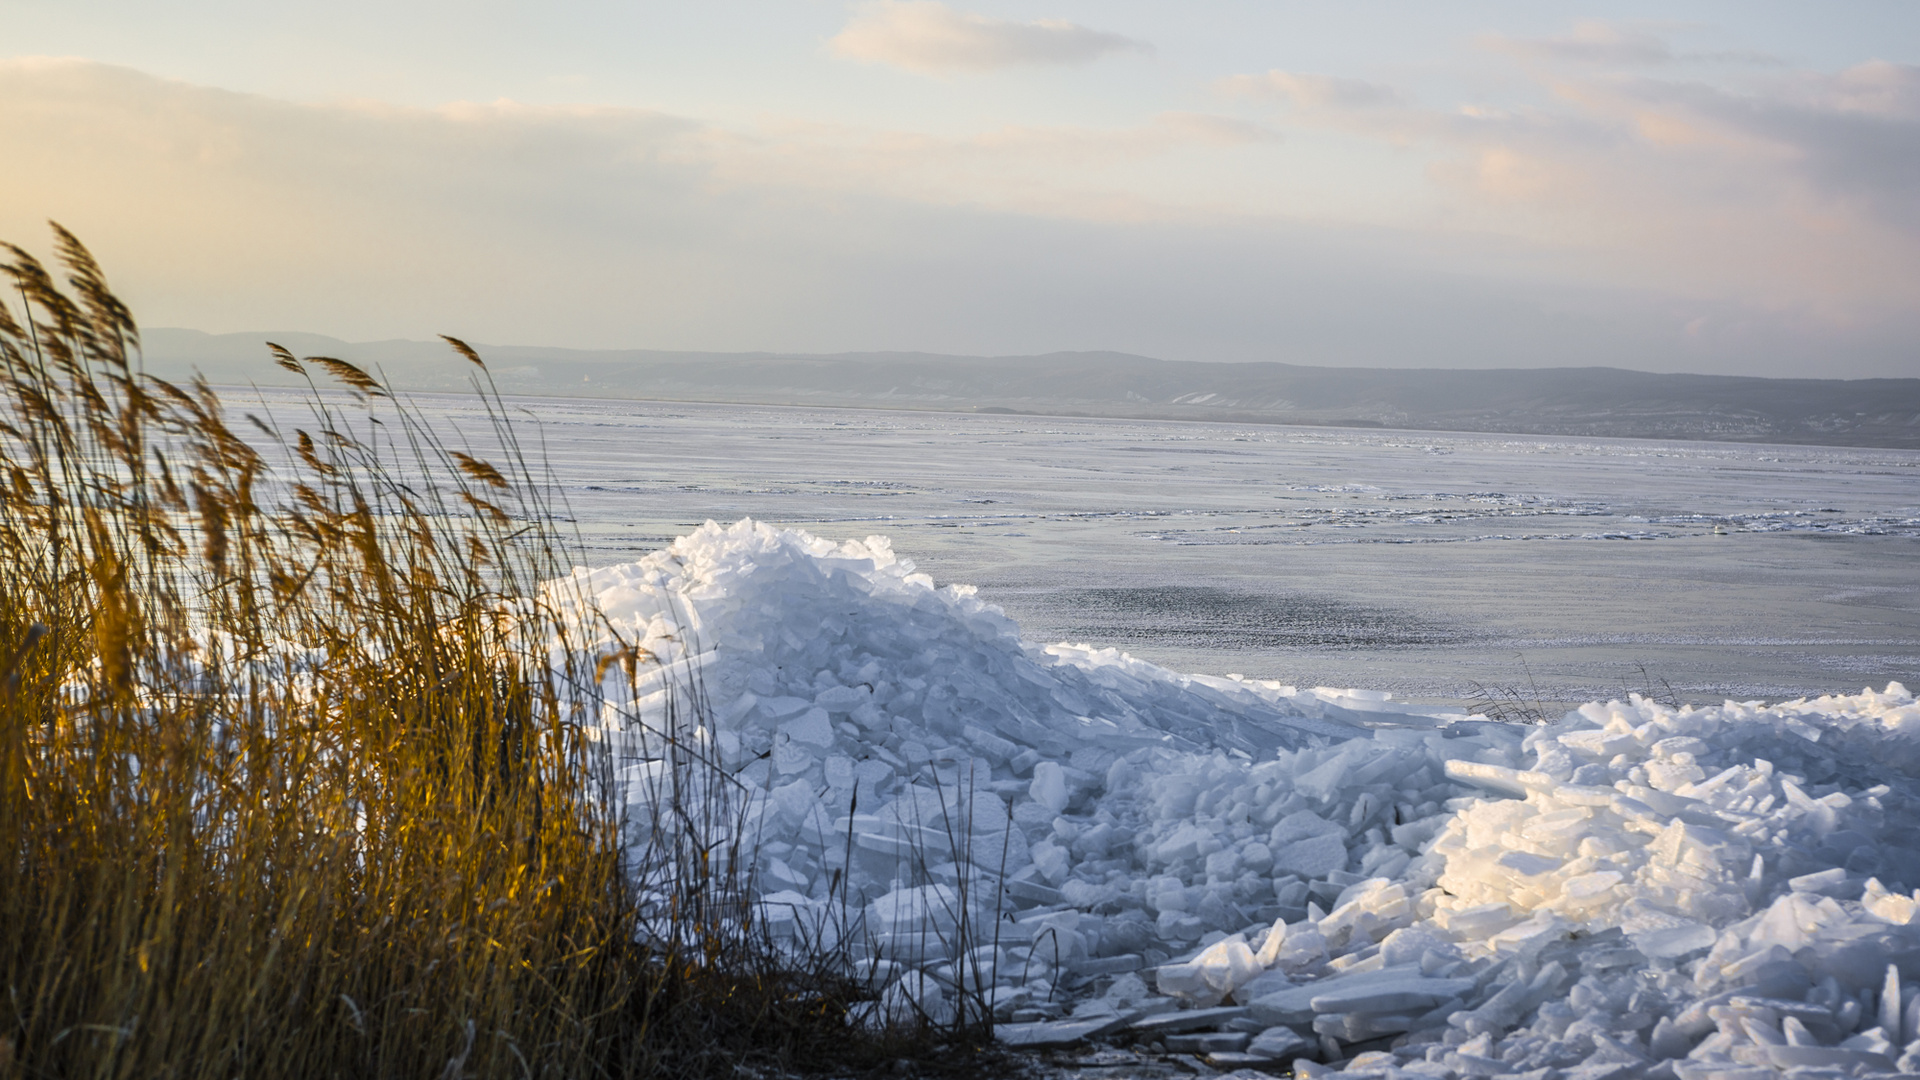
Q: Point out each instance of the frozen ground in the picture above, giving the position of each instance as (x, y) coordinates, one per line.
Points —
(1251, 873)
(1410, 562)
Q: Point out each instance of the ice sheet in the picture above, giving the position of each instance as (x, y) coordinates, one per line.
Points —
(1418, 562)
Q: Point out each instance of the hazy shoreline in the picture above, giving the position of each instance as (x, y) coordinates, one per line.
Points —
(1589, 402)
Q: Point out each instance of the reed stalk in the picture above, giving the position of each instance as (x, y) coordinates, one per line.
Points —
(293, 770)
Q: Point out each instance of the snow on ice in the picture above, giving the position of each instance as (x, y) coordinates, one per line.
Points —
(1089, 844)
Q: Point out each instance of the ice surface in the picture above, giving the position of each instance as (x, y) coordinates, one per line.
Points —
(1725, 888)
(1044, 1035)
(1191, 1020)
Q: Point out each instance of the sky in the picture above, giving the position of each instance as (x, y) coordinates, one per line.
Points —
(1725, 187)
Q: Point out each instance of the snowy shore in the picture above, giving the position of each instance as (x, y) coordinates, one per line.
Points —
(1089, 844)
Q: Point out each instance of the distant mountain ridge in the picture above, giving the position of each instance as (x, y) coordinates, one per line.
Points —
(1601, 402)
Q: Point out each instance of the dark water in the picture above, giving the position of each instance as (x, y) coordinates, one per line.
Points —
(1209, 617)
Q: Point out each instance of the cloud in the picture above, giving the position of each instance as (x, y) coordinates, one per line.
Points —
(1592, 42)
(568, 225)
(1566, 237)
(1791, 190)
(1877, 88)
(1595, 43)
(1154, 168)
(1312, 91)
(1852, 137)
(931, 38)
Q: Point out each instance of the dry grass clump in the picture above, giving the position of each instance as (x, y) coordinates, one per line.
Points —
(292, 777)
(1508, 703)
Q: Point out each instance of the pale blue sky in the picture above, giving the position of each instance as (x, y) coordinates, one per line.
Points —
(1693, 186)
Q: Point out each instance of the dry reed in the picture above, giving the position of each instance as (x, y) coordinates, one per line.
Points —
(292, 774)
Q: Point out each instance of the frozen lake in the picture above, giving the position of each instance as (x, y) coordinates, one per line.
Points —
(1415, 562)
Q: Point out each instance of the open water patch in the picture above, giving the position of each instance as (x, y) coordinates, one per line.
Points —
(1227, 619)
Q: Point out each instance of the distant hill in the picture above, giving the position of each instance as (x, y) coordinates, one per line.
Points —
(1609, 402)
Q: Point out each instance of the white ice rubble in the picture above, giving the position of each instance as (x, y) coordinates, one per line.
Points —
(1087, 843)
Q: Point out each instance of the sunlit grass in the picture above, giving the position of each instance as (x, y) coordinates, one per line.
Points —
(292, 778)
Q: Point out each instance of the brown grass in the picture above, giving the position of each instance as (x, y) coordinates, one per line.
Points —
(292, 781)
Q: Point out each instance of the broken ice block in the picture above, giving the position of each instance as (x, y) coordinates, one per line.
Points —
(779, 708)
(790, 756)
(1388, 995)
(1210, 1042)
(1110, 965)
(1829, 1057)
(926, 909)
(1276, 938)
(1673, 942)
(1278, 1044)
(1295, 1004)
(843, 699)
(1174, 1023)
(1314, 857)
(839, 772)
(1053, 1034)
(1049, 787)
(1219, 970)
(1823, 881)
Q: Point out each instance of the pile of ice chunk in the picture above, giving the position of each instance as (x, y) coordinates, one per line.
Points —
(1090, 846)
